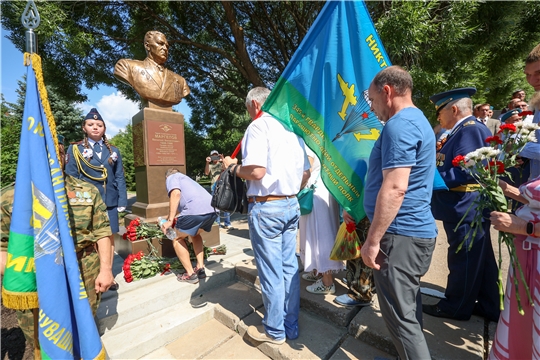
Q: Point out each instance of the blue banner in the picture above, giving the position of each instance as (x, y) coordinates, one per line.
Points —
(67, 329)
(322, 96)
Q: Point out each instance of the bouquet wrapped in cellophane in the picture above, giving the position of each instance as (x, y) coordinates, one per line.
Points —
(487, 165)
(347, 245)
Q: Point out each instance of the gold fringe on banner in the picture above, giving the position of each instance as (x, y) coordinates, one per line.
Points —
(35, 60)
(19, 300)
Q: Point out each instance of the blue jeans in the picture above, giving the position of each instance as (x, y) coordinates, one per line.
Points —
(226, 218)
(226, 215)
(272, 228)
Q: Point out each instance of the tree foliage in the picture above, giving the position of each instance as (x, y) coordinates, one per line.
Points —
(224, 48)
(66, 115)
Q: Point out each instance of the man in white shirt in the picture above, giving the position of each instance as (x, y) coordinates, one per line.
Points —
(276, 166)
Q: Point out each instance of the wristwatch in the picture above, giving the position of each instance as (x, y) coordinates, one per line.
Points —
(530, 228)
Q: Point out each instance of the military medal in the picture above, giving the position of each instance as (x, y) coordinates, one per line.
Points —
(79, 196)
(86, 195)
(71, 195)
(440, 159)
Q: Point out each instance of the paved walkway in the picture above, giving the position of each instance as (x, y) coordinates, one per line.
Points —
(216, 313)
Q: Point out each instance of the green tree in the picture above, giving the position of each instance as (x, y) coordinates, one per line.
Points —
(124, 142)
(66, 115)
(11, 133)
(224, 48)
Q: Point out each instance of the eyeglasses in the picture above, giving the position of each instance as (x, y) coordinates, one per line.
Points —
(523, 106)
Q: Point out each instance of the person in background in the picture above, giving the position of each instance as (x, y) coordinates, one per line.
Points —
(276, 166)
(399, 183)
(492, 124)
(98, 162)
(532, 73)
(519, 94)
(90, 225)
(318, 231)
(518, 336)
(472, 281)
(214, 167)
(192, 202)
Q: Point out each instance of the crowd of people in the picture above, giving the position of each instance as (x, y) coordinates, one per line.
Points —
(398, 235)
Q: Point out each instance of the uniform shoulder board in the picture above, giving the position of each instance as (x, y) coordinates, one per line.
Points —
(470, 122)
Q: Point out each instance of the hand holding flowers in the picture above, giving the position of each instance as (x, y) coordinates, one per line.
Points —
(486, 165)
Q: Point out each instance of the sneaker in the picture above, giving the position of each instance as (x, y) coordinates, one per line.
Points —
(201, 274)
(191, 279)
(254, 333)
(346, 300)
(320, 288)
(310, 276)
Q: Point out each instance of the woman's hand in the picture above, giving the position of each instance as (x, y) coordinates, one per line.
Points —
(508, 223)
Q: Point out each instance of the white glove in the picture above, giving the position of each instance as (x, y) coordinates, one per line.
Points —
(121, 209)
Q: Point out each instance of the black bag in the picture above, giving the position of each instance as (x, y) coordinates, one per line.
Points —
(230, 192)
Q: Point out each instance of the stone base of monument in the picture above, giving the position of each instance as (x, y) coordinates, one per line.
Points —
(126, 247)
(165, 249)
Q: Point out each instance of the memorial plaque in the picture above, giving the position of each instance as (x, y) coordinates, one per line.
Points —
(165, 143)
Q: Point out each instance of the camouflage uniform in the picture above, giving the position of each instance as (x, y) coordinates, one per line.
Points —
(88, 217)
(359, 276)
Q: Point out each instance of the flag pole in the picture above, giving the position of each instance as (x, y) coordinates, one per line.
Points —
(30, 20)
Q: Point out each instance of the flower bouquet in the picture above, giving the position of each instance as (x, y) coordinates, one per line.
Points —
(487, 165)
(140, 266)
(347, 244)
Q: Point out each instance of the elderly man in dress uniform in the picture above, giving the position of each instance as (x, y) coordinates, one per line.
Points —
(472, 282)
(154, 83)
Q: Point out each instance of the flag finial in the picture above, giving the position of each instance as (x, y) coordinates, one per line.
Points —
(30, 20)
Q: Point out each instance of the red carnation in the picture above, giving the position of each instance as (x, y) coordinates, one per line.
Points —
(509, 127)
(351, 227)
(458, 160)
(129, 279)
(494, 140)
(525, 113)
(496, 165)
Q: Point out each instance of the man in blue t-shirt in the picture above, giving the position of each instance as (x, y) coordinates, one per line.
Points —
(401, 239)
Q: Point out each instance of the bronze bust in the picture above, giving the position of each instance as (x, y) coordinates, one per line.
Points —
(157, 86)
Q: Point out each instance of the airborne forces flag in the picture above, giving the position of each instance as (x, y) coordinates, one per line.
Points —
(41, 251)
(322, 97)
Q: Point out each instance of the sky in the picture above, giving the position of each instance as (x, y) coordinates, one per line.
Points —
(113, 106)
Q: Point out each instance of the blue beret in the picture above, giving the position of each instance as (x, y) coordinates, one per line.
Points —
(93, 115)
(60, 139)
(510, 113)
(442, 99)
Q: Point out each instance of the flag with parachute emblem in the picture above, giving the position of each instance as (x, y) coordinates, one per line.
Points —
(322, 97)
(41, 250)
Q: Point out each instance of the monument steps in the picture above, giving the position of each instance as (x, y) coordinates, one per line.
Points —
(161, 318)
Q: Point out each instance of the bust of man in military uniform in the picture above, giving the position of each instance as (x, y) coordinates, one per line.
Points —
(157, 86)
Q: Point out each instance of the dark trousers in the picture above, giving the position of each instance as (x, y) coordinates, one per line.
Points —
(404, 260)
(472, 282)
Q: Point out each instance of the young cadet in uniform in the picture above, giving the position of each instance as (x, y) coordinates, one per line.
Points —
(472, 282)
(88, 217)
(96, 161)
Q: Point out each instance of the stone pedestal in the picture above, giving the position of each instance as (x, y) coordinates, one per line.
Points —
(158, 144)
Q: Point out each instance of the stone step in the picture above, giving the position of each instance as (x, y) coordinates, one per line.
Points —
(447, 339)
(135, 299)
(211, 340)
(155, 330)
